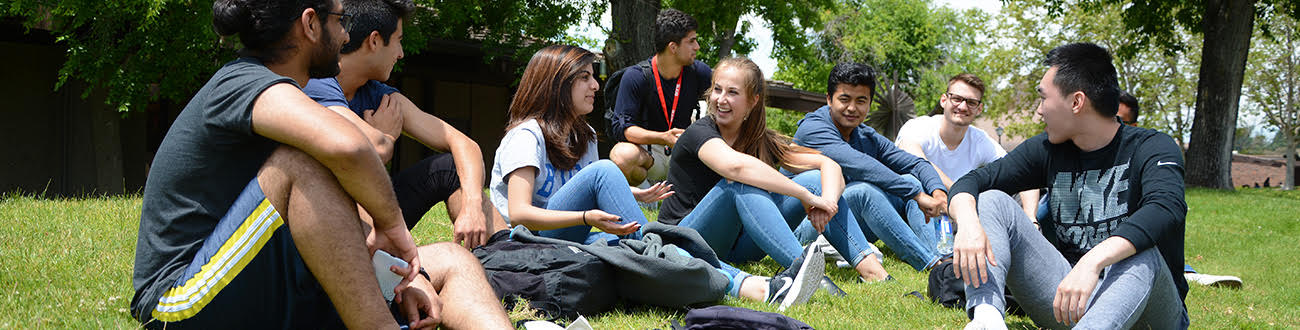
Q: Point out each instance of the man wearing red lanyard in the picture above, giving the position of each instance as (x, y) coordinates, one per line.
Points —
(656, 103)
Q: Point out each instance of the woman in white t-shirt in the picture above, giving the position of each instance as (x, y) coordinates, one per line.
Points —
(546, 175)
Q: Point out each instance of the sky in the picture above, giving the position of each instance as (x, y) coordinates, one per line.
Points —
(763, 36)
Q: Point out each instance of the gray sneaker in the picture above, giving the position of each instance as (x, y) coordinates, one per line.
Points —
(797, 284)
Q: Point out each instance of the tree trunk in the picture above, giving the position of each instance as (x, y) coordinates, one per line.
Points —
(1228, 26)
(632, 37)
(726, 33)
(1290, 155)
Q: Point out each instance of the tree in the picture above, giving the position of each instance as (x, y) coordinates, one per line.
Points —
(631, 38)
(913, 43)
(723, 33)
(1272, 85)
(140, 51)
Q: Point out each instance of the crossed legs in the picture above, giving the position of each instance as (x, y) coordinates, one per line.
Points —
(330, 236)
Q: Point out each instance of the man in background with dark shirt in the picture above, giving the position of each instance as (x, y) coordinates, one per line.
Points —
(655, 105)
(249, 217)
(1110, 255)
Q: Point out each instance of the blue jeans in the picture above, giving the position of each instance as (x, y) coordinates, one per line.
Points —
(598, 186)
(1137, 292)
(602, 186)
(744, 223)
(881, 214)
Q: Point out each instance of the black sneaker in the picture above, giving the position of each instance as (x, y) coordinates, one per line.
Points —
(797, 283)
(831, 288)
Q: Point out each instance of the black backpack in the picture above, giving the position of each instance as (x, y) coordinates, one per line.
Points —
(727, 317)
(949, 291)
(560, 281)
(611, 94)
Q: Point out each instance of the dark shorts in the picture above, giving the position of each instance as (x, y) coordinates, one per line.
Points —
(424, 185)
(247, 274)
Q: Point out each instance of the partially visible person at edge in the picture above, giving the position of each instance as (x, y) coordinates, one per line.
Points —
(249, 216)
(1109, 256)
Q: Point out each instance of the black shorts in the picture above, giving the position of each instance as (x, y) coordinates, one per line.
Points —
(424, 185)
(248, 274)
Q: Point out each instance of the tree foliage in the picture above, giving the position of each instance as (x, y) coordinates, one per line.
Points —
(723, 33)
(140, 51)
(1162, 79)
(913, 43)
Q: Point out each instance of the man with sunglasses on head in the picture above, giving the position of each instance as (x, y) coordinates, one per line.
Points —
(949, 141)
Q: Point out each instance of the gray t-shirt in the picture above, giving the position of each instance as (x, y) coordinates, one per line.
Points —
(524, 146)
(208, 156)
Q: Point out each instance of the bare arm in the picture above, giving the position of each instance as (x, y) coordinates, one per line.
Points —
(438, 135)
(741, 167)
(638, 135)
(284, 114)
(519, 192)
(832, 175)
(382, 143)
(1072, 294)
(1029, 202)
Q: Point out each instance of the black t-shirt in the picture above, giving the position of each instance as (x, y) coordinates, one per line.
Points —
(208, 156)
(638, 98)
(1131, 188)
(690, 177)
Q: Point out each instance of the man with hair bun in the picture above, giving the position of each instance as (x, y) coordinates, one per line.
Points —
(250, 217)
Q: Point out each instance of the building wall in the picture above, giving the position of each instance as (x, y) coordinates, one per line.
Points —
(55, 142)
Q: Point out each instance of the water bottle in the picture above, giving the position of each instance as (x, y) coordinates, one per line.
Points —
(944, 231)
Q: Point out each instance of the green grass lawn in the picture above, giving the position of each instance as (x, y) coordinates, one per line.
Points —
(67, 263)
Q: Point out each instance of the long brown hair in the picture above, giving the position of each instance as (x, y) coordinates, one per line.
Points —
(545, 94)
(755, 139)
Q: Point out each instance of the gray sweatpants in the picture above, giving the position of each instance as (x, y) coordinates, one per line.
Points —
(1136, 291)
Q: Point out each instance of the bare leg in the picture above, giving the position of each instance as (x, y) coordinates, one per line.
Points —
(467, 300)
(754, 288)
(870, 269)
(632, 160)
(326, 230)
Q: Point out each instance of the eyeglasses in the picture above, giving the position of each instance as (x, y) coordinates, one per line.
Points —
(344, 19)
(958, 100)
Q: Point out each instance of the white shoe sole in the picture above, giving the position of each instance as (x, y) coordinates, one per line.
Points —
(806, 281)
(1213, 280)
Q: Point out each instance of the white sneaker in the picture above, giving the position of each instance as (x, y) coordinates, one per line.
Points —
(1213, 280)
(827, 248)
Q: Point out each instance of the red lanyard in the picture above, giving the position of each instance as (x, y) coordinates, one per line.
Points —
(654, 66)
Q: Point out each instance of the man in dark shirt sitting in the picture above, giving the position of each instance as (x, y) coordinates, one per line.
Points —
(455, 177)
(1110, 254)
(655, 102)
